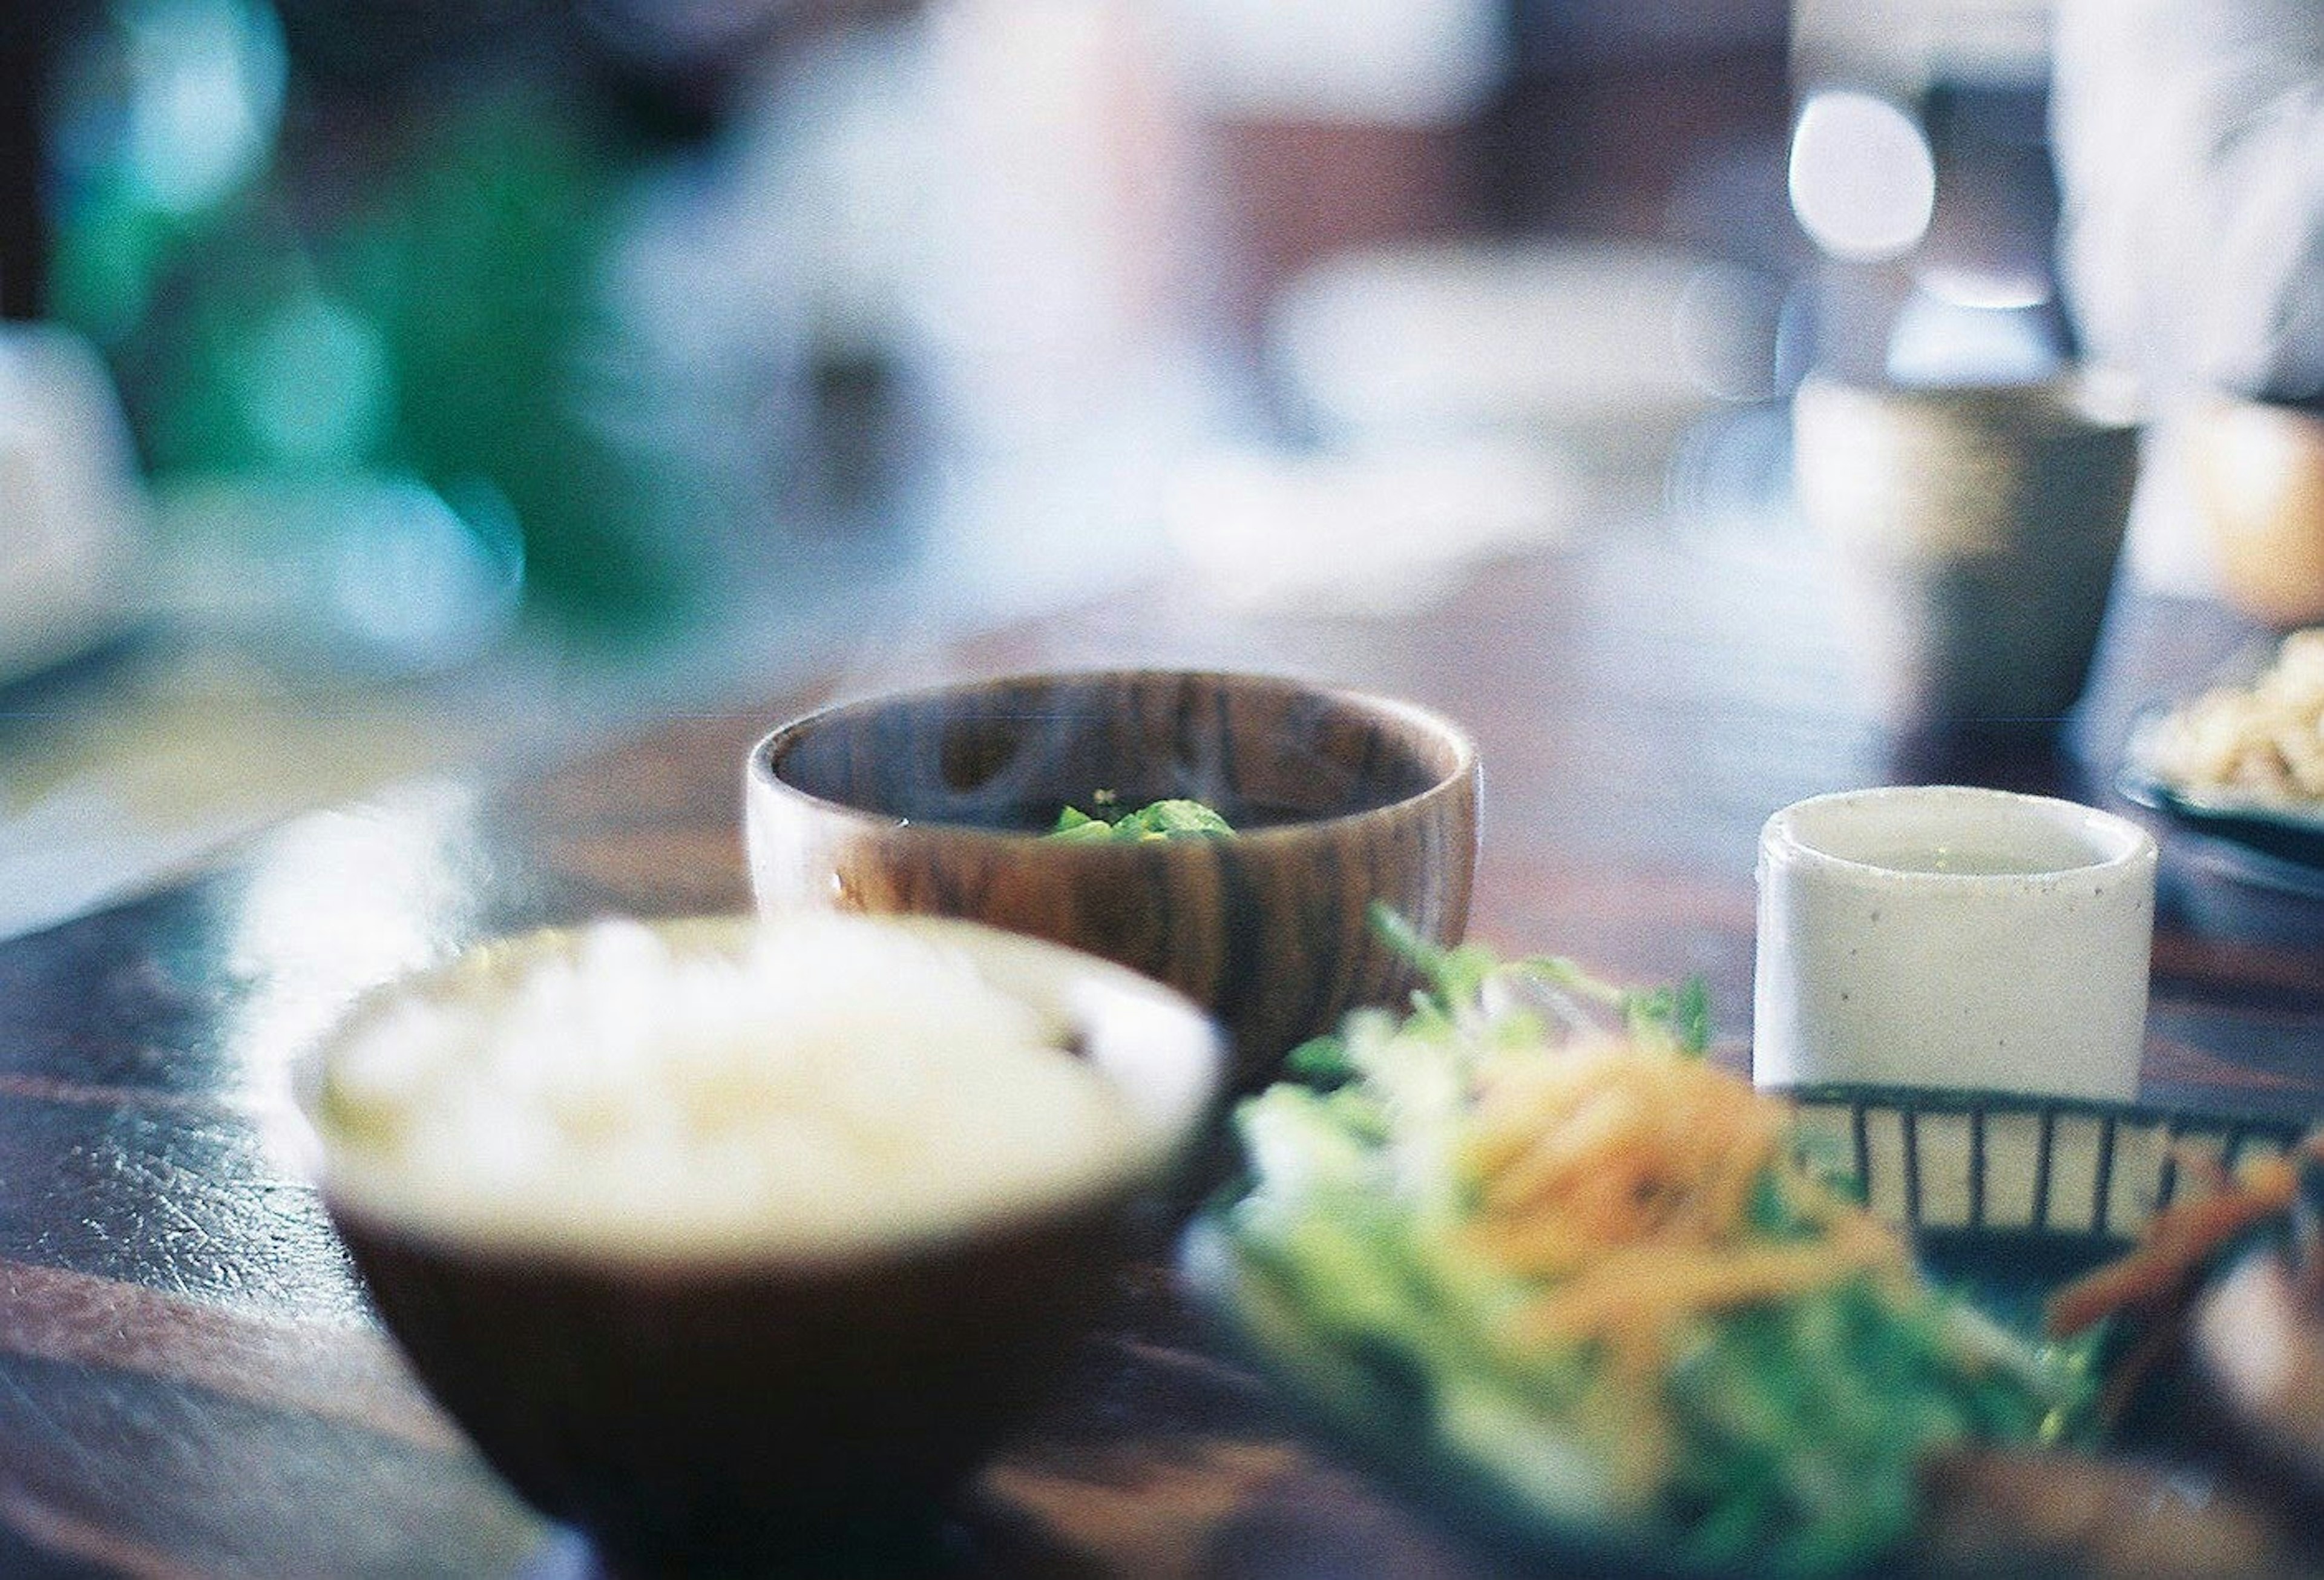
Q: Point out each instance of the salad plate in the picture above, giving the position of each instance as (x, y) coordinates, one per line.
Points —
(2005, 1198)
(1393, 1446)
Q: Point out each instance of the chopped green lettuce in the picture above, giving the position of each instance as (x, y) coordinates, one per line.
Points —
(1787, 1433)
(1163, 820)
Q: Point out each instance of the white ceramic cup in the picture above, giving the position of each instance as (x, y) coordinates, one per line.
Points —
(1944, 935)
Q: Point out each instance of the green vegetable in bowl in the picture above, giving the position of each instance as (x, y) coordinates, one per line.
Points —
(1588, 1272)
(1164, 819)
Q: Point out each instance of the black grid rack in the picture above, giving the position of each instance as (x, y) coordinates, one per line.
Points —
(1991, 1161)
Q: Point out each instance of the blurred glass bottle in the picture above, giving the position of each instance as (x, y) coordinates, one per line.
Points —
(365, 294)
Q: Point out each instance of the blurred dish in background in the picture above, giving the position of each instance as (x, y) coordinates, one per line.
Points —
(2258, 745)
(2222, 886)
(2233, 864)
(71, 529)
(2279, 836)
(2258, 475)
(1613, 347)
(2244, 760)
(1377, 530)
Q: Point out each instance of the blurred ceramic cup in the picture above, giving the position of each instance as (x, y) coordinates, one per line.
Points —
(1977, 529)
(931, 802)
(2258, 474)
(1944, 935)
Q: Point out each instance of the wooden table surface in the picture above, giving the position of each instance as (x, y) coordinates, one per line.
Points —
(190, 1383)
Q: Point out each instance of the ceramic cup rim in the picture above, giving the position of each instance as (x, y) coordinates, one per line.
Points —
(2086, 400)
(763, 777)
(2117, 847)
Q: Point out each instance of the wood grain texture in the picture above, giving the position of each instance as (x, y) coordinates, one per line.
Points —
(718, 1408)
(932, 802)
(723, 1422)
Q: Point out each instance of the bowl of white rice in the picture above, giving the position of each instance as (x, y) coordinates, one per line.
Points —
(732, 1242)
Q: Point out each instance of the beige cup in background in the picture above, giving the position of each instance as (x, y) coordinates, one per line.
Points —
(1977, 529)
(1944, 935)
(2258, 473)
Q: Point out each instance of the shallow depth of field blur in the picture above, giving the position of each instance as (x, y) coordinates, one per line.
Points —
(398, 385)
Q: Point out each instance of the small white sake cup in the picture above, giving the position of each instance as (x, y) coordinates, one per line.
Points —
(1945, 936)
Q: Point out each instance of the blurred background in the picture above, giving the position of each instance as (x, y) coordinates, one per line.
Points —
(397, 384)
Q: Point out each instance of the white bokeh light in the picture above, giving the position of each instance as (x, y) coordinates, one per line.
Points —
(1863, 181)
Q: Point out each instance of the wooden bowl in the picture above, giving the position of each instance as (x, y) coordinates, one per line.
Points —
(934, 801)
(773, 1408)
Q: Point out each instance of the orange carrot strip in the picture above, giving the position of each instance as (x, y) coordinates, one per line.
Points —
(1648, 1287)
(2178, 1239)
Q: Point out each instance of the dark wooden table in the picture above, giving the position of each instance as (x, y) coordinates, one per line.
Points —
(190, 1383)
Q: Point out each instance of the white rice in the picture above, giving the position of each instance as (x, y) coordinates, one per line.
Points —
(827, 1082)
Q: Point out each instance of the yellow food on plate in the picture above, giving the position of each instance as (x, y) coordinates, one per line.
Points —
(2262, 743)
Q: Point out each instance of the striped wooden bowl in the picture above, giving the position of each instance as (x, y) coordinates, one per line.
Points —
(934, 801)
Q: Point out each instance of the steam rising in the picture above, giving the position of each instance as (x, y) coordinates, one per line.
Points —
(1010, 753)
